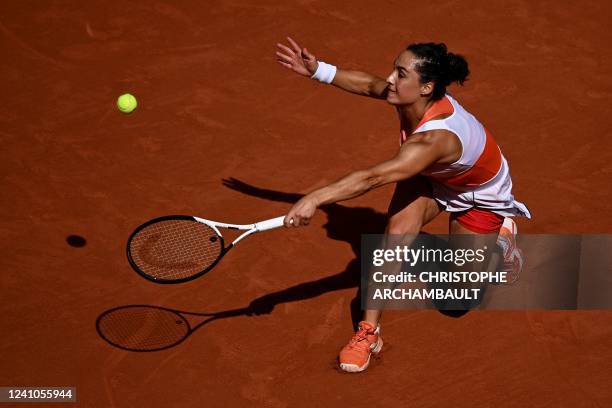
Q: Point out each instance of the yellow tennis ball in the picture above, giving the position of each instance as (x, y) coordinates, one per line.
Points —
(127, 103)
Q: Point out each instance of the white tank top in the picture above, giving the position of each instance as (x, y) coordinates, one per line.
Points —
(480, 177)
(470, 133)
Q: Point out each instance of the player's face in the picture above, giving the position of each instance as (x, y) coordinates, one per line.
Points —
(405, 85)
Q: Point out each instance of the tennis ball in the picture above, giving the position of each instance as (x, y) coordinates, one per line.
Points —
(127, 103)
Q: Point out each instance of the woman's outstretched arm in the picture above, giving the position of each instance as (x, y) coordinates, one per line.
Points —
(302, 62)
(415, 155)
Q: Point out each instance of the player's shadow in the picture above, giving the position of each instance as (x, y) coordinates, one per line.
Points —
(340, 226)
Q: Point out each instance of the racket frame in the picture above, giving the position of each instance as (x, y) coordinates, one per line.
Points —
(214, 225)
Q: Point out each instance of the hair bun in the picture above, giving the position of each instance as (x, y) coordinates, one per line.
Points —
(457, 68)
(438, 65)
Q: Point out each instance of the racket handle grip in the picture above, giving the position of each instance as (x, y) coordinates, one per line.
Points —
(270, 224)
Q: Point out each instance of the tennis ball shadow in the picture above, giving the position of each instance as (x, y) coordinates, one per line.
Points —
(76, 241)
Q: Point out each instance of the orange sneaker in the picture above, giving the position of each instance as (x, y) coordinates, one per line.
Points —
(355, 356)
(513, 256)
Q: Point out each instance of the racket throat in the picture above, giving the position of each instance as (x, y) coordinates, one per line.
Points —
(227, 248)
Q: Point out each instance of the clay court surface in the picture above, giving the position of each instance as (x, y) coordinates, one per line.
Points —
(215, 106)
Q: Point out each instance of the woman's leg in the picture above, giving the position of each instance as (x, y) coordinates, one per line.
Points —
(411, 207)
(461, 237)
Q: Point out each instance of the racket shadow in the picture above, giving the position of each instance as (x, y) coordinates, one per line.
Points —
(148, 328)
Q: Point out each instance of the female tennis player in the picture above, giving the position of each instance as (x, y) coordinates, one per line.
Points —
(447, 161)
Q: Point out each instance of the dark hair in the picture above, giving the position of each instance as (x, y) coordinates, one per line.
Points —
(439, 66)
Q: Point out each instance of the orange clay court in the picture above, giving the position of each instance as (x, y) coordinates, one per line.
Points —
(223, 132)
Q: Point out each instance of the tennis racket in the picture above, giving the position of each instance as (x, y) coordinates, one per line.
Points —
(153, 328)
(179, 248)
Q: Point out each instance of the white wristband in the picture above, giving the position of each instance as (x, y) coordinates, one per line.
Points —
(325, 72)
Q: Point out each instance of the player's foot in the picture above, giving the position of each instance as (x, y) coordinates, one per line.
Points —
(513, 256)
(355, 356)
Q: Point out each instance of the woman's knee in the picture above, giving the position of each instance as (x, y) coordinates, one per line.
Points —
(414, 216)
(406, 224)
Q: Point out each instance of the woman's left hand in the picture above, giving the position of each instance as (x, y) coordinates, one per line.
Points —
(301, 212)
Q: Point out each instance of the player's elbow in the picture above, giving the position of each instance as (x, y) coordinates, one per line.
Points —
(361, 182)
(377, 88)
(377, 177)
(388, 175)
(374, 180)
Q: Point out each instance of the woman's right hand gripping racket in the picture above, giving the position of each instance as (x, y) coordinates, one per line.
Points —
(179, 248)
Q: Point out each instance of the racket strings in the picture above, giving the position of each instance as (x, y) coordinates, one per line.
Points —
(175, 249)
(142, 328)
